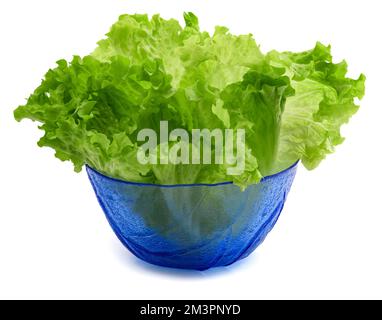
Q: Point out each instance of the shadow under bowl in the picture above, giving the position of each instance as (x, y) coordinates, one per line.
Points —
(198, 226)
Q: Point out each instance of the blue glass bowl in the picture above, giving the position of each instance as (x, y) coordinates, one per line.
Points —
(192, 226)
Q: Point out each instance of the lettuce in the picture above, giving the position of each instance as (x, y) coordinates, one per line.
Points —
(291, 105)
(323, 102)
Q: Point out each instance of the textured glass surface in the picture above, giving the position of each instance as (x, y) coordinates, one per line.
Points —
(192, 226)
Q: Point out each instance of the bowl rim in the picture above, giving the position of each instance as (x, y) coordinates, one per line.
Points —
(89, 170)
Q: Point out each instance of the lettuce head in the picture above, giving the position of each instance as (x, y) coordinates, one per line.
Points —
(148, 70)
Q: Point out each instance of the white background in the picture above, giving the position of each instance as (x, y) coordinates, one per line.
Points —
(54, 239)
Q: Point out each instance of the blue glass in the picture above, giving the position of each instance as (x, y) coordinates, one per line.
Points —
(192, 226)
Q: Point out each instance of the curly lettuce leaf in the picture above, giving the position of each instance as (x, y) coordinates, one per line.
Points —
(324, 100)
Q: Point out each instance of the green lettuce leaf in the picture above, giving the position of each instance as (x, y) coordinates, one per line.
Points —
(324, 100)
